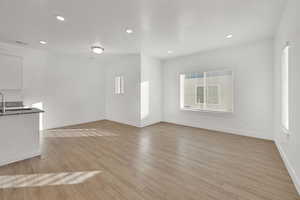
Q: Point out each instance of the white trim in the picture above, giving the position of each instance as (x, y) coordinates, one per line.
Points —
(196, 94)
(181, 88)
(201, 110)
(205, 94)
(285, 93)
(73, 123)
(284, 130)
(119, 85)
(291, 170)
(130, 123)
(122, 90)
(241, 132)
(204, 90)
(20, 158)
(145, 124)
(219, 94)
(205, 87)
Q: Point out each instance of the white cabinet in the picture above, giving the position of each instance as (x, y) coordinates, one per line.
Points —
(19, 138)
(10, 72)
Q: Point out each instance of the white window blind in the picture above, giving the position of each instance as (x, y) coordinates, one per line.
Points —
(208, 91)
(285, 89)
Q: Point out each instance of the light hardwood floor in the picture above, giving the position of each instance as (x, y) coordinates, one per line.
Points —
(107, 160)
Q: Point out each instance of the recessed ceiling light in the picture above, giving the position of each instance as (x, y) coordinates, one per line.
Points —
(129, 31)
(229, 36)
(60, 18)
(170, 52)
(97, 49)
(43, 42)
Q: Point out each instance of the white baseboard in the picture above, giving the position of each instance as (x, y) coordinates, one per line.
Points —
(73, 124)
(125, 122)
(225, 130)
(231, 131)
(19, 158)
(289, 167)
(149, 123)
(141, 125)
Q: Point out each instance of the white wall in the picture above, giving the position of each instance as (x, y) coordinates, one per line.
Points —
(11, 95)
(76, 89)
(141, 104)
(124, 108)
(71, 88)
(289, 146)
(151, 91)
(252, 66)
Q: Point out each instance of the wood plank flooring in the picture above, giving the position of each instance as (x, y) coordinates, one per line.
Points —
(107, 161)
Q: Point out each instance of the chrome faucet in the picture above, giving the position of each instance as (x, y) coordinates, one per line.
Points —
(3, 102)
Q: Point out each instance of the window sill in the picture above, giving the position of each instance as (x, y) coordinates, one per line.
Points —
(205, 111)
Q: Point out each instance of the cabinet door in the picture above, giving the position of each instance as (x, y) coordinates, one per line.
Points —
(10, 72)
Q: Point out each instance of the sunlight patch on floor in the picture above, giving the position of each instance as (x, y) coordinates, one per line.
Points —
(77, 133)
(47, 179)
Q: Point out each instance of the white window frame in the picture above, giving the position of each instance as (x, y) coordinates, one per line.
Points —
(119, 85)
(205, 94)
(219, 94)
(182, 99)
(285, 72)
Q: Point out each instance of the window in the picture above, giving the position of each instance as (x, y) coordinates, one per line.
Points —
(199, 95)
(119, 85)
(212, 96)
(285, 89)
(208, 91)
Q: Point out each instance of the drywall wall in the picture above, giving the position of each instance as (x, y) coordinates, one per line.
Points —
(252, 67)
(151, 90)
(69, 88)
(76, 89)
(72, 91)
(11, 94)
(289, 146)
(10, 72)
(123, 108)
(141, 103)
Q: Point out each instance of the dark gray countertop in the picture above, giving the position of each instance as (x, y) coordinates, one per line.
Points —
(20, 112)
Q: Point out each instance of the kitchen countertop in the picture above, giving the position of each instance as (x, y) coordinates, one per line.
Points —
(21, 112)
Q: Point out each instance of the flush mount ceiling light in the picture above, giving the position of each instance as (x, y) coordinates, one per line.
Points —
(170, 52)
(97, 49)
(129, 31)
(43, 42)
(60, 18)
(229, 36)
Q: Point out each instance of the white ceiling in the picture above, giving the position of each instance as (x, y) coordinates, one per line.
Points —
(183, 26)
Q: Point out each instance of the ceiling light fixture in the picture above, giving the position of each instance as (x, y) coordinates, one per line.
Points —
(129, 31)
(229, 36)
(170, 52)
(43, 42)
(97, 49)
(60, 18)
